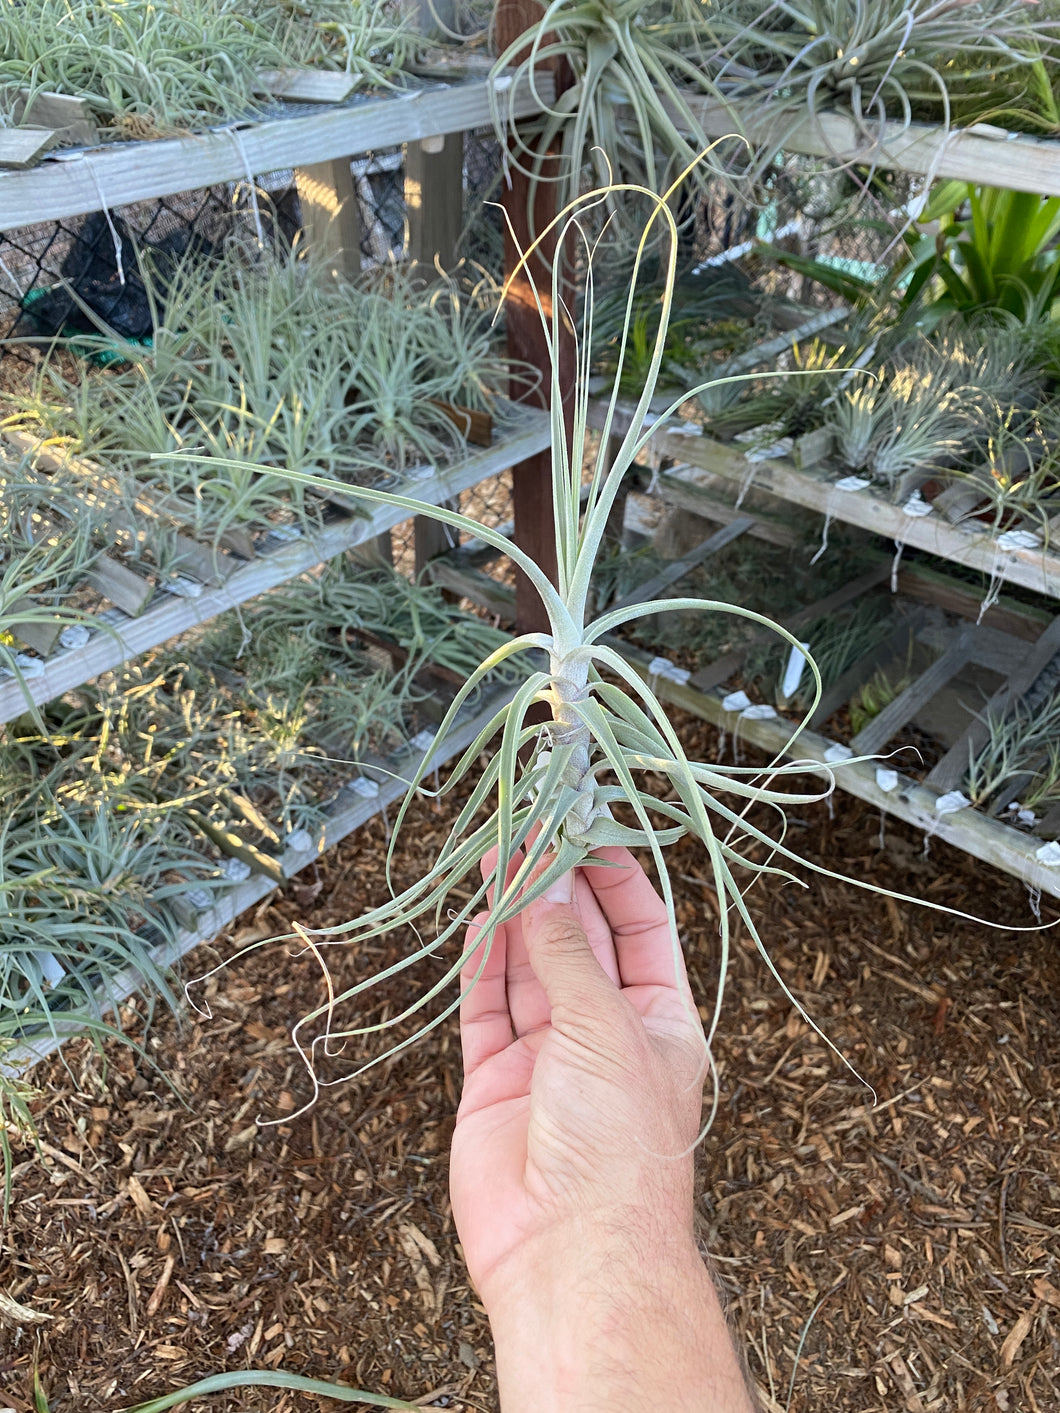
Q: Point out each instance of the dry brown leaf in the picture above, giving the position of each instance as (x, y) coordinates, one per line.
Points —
(1016, 1335)
(1049, 1293)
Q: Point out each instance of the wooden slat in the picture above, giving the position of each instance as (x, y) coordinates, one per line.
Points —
(327, 196)
(120, 586)
(307, 85)
(70, 117)
(693, 494)
(1036, 569)
(981, 154)
(653, 587)
(168, 615)
(855, 677)
(951, 768)
(22, 148)
(139, 171)
(905, 706)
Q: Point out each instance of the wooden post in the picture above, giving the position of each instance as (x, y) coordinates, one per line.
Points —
(328, 198)
(532, 479)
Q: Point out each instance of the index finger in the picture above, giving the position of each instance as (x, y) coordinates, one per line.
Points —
(647, 950)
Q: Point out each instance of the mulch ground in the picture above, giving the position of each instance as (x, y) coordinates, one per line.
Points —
(897, 1254)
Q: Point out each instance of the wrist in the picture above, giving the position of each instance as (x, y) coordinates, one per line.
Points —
(626, 1318)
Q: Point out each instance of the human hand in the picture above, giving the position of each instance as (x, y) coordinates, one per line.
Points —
(583, 1056)
(571, 1167)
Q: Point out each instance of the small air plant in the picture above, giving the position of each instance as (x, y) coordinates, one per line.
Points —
(551, 793)
(1020, 745)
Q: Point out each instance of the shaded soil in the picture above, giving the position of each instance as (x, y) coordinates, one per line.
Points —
(897, 1255)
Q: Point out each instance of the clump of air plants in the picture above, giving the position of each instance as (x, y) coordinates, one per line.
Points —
(780, 65)
(151, 69)
(551, 792)
(1021, 750)
(267, 365)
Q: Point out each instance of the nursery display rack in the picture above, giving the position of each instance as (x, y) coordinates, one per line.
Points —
(1015, 643)
(353, 807)
(120, 635)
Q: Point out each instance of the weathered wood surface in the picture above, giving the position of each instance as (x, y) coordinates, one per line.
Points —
(327, 195)
(982, 154)
(169, 616)
(136, 171)
(1037, 569)
(307, 85)
(905, 706)
(22, 148)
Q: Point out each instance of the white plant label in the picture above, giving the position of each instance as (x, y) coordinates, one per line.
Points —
(29, 666)
(199, 898)
(852, 483)
(686, 429)
(735, 701)
(235, 870)
(299, 840)
(419, 473)
(951, 802)
(663, 667)
(1049, 854)
(76, 636)
(837, 752)
(1027, 817)
(1018, 539)
(794, 670)
(286, 534)
(760, 711)
(422, 741)
(916, 506)
(886, 779)
(51, 967)
(367, 789)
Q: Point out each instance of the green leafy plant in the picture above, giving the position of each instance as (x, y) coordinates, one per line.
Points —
(993, 249)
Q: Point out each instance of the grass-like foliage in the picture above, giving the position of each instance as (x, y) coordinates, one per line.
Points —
(147, 69)
(263, 362)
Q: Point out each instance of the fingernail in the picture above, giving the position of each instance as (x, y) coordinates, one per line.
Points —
(561, 891)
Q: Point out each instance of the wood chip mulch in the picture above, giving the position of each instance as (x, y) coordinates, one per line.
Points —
(899, 1254)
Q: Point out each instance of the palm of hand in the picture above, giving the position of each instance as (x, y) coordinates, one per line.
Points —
(585, 1104)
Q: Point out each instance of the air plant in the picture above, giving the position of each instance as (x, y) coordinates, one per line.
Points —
(552, 792)
(1020, 745)
(148, 70)
(784, 64)
(630, 116)
(265, 365)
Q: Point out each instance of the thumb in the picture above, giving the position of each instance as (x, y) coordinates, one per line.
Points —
(583, 998)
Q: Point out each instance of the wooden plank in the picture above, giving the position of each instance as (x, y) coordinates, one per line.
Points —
(434, 201)
(307, 85)
(471, 584)
(652, 588)
(120, 585)
(951, 768)
(137, 171)
(981, 154)
(169, 615)
(475, 426)
(1036, 569)
(348, 813)
(22, 148)
(327, 196)
(206, 563)
(905, 706)
(71, 118)
(694, 497)
(38, 635)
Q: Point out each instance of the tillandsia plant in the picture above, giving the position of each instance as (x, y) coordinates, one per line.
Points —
(630, 116)
(147, 69)
(268, 365)
(781, 63)
(551, 792)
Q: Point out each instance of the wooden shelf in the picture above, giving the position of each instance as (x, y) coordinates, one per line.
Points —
(981, 154)
(813, 488)
(348, 813)
(74, 183)
(975, 833)
(123, 638)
